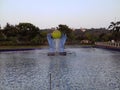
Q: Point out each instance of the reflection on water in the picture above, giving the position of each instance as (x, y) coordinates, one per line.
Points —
(82, 69)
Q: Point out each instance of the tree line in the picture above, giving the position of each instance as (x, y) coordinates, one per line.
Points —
(29, 34)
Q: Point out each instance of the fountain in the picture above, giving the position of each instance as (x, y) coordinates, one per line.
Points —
(56, 43)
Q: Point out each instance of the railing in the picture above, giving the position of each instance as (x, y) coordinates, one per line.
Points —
(109, 44)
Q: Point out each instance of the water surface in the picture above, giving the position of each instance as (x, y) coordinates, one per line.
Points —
(81, 69)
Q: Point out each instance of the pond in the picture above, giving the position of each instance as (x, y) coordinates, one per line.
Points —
(80, 69)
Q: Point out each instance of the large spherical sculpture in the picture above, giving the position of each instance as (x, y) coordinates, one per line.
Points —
(56, 34)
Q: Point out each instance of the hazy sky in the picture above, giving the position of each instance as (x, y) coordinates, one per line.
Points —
(51, 13)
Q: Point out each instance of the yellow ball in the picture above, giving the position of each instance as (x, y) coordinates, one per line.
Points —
(56, 34)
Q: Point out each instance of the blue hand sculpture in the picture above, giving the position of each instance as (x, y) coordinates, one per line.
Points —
(51, 43)
(62, 42)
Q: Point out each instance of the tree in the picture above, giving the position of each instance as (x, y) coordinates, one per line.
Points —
(66, 30)
(91, 36)
(10, 30)
(36, 40)
(104, 37)
(43, 38)
(115, 28)
(27, 31)
(2, 36)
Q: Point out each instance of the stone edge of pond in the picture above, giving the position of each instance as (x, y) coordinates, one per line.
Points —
(80, 46)
(108, 48)
(67, 46)
(26, 49)
(21, 49)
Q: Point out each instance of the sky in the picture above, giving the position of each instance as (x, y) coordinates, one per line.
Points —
(51, 13)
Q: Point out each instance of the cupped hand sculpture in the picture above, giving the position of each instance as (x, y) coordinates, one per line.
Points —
(56, 42)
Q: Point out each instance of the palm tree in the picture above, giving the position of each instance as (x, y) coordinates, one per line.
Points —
(115, 28)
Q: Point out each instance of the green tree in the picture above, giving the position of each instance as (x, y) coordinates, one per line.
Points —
(36, 40)
(91, 36)
(2, 36)
(104, 37)
(10, 30)
(23, 33)
(66, 30)
(27, 31)
(115, 28)
(43, 38)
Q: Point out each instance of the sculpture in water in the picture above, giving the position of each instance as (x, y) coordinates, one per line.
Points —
(56, 42)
